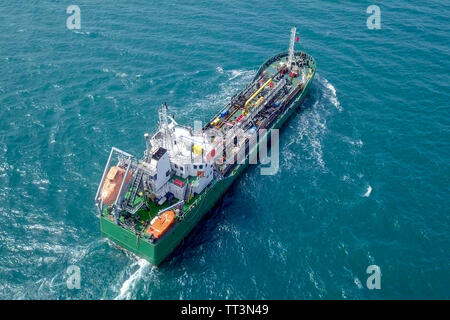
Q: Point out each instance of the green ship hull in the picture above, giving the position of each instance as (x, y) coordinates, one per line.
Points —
(157, 252)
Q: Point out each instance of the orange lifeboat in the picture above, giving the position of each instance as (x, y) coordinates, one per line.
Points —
(111, 186)
(161, 223)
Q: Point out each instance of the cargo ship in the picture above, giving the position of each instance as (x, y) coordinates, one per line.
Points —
(148, 205)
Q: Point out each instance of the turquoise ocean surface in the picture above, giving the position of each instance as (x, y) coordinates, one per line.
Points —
(364, 166)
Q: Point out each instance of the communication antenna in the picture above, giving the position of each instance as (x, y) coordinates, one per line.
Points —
(291, 47)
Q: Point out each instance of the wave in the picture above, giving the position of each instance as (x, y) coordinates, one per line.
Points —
(368, 192)
(311, 125)
(237, 80)
(115, 72)
(235, 73)
(329, 92)
(129, 285)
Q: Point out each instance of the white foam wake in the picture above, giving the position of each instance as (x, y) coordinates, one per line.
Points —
(329, 92)
(368, 192)
(235, 73)
(237, 80)
(312, 124)
(130, 284)
(81, 32)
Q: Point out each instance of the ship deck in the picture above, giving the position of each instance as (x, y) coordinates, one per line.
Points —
(269, 70)
(144, 215)
(236, 108)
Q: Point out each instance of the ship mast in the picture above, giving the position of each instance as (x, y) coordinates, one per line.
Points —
(291, 47)
(164, 127)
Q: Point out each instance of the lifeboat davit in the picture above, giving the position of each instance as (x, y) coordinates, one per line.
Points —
(161, 223)
(111, 186)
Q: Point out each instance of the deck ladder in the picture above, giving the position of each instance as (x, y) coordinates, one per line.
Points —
(134, 190)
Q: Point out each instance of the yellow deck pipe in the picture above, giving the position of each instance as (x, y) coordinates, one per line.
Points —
(255, 94)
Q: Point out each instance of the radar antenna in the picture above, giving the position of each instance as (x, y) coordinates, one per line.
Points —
(291, 47)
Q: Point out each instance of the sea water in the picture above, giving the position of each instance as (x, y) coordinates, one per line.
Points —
(364, 165)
